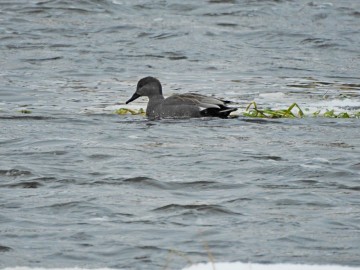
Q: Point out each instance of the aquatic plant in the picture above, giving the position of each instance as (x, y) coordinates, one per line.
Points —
(25, 111)
(252, 110)
(123, 111)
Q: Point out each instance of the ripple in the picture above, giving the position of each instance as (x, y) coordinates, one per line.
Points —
(320, 42)
(5, 248)
(354, 188)
(222, 1)
(28, 184)
(175, 56)
(100, 156)
(227, 24)
(25, 117)
(167, 35)
(290, 202)
(355, 14)
(146, 183)
(266, 157)
(15, 172)
(195, 209)
(34, 60)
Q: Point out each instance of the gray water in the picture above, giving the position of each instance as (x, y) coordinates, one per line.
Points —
(82, 186)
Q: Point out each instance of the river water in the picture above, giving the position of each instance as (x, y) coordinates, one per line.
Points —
(83, 186)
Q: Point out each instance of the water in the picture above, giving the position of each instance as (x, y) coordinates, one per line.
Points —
(81, 186)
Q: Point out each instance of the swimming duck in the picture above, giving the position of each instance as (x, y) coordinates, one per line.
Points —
(189, 105)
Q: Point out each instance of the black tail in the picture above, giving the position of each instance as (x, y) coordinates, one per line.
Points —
(222, 112)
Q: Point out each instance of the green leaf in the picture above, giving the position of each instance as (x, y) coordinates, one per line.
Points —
(124, 111)
(25, 111)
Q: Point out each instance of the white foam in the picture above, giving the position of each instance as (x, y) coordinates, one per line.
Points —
(255, 266)
(273, 96)
(277, 100)
(337, 103)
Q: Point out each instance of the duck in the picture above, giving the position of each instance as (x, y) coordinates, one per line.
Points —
(188, 105)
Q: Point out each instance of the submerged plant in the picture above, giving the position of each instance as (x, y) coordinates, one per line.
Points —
(123, 111)
(333, 114)
(253, 111)
(25, 111)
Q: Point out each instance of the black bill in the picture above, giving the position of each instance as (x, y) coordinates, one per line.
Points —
(135, 96)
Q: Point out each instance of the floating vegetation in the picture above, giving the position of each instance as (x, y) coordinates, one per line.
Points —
(124, 111)
(294, 111)
(25, 111)
(333, 114)
(253, 111)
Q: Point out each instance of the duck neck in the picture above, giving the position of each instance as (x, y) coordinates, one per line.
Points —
(153, 104)
(156, 98)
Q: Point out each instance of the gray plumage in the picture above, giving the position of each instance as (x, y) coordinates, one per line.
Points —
(187, 105)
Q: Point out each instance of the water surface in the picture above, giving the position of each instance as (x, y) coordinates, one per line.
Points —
(82, 186)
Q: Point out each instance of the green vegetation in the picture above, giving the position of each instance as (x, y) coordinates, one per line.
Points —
(25, 111)
(252, 110)
(294, 111)
(123, 111)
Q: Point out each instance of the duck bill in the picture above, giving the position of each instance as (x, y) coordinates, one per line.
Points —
(135, 96)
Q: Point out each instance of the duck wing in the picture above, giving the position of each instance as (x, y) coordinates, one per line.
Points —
(204, 102)
(205, 105)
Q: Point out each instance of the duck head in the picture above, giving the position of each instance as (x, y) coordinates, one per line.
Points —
(148, 86)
